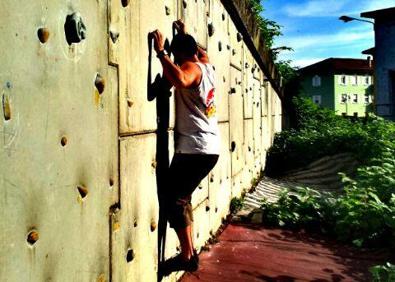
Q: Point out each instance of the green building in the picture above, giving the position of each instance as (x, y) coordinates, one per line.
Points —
(343, 85)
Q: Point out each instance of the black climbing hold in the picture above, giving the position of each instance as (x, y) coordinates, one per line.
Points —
(125, 3)
(74, 28)
(211, 29)
(100, 83)
(130, 255)
(239, 37)
(233, 146)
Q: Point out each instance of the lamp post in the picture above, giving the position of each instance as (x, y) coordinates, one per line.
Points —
(347, 19)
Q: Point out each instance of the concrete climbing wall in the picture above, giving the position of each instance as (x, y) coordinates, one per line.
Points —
(86, 134)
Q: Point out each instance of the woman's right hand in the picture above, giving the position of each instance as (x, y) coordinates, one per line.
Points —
(179, 25)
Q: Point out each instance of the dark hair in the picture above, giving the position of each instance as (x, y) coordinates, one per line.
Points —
(185, 44)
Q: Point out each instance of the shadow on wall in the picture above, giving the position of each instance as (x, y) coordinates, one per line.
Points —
(159, 89)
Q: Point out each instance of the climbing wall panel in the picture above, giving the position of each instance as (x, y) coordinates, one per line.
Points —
(236, 120)
(58, 139)
(219, 53)
(248, 154)
(236, 46)
(139, 68)
(248, 83)
(201, 225)
(257, 123)
(220, 182)
(194, 14)
(134, 234)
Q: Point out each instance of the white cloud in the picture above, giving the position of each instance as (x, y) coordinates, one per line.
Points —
(300, 63)
(314, 41)
(315, 8)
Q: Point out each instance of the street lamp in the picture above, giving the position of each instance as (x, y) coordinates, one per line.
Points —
(347, 19)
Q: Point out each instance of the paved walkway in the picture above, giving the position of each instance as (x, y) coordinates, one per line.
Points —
(248, 252)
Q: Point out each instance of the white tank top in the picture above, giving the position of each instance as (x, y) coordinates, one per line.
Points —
(196, 130)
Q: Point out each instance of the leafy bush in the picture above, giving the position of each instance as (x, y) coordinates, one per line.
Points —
(383, 273)
(320, 132)
(364, 213)
(236, 204)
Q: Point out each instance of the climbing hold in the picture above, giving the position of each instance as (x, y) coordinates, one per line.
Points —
(43, 34)
(153, 226)
(223, 16)
(233, 52)
(125, 3)
(167, 9)
(247, 65)
(135, 223)
(74, 28)
(130, 255)
(216, 209)
(184, 4)
(228, 46)
(207, 208)
(211, 29)
(249, 149)
(233, 146)
(63, 141)
(111, 182)
(219, 46)
(100, 83)
(6, 108)
(232, 90)
(83, 191)
(32, 237)
(200, 187)
(239, 37)
(130, 102)
(114, 36)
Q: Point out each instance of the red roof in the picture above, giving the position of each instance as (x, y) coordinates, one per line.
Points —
(340, 65)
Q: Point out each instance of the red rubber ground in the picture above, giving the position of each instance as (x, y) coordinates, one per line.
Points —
(253, 253)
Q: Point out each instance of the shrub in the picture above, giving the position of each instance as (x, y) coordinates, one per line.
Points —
(364, 213)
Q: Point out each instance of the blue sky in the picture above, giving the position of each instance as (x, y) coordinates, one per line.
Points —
(312, 28)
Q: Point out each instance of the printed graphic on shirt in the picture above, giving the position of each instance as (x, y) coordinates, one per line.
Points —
(210, 106)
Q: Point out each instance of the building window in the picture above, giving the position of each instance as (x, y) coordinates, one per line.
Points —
(343, 99)
(366, 80)
(317, 99)
(367, 99)
(355, 98)
(343, 80)
(354, 79)
(316, 81)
